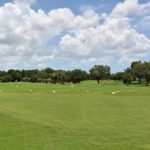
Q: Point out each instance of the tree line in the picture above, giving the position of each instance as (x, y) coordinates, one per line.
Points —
(47, 75)
(137, 72)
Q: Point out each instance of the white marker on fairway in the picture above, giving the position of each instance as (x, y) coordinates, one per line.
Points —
(53, 91)
(0, 91)
(115, 92)
(31, 90)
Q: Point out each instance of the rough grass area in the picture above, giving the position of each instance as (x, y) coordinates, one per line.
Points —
(74, 117)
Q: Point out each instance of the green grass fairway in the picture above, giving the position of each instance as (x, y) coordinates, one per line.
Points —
(76, 117)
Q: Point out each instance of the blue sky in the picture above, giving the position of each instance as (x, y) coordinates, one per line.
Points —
(68, 34)
(75, 5)
(105, 5)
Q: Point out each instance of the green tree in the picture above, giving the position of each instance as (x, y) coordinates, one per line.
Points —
(99, 72)
(77, 75)
(117, 76)
(137, 70)
(127, 78)
(61, 77)
(15, 75)
(146, 72)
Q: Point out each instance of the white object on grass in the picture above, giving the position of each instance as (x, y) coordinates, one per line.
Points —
(53, 91)
(115, 92)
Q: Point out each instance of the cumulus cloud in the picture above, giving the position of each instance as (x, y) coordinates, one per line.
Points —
(115, 36)
(27, 36)
(130, 7)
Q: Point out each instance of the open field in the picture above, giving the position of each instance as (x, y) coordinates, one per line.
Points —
(87, 116)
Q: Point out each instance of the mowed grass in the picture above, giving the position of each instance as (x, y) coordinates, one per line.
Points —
(86, 116)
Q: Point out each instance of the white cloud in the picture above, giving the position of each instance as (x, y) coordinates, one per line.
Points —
(26, 35)
(125, 8)
(115, 37)
(130, 7)
(88, 19)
